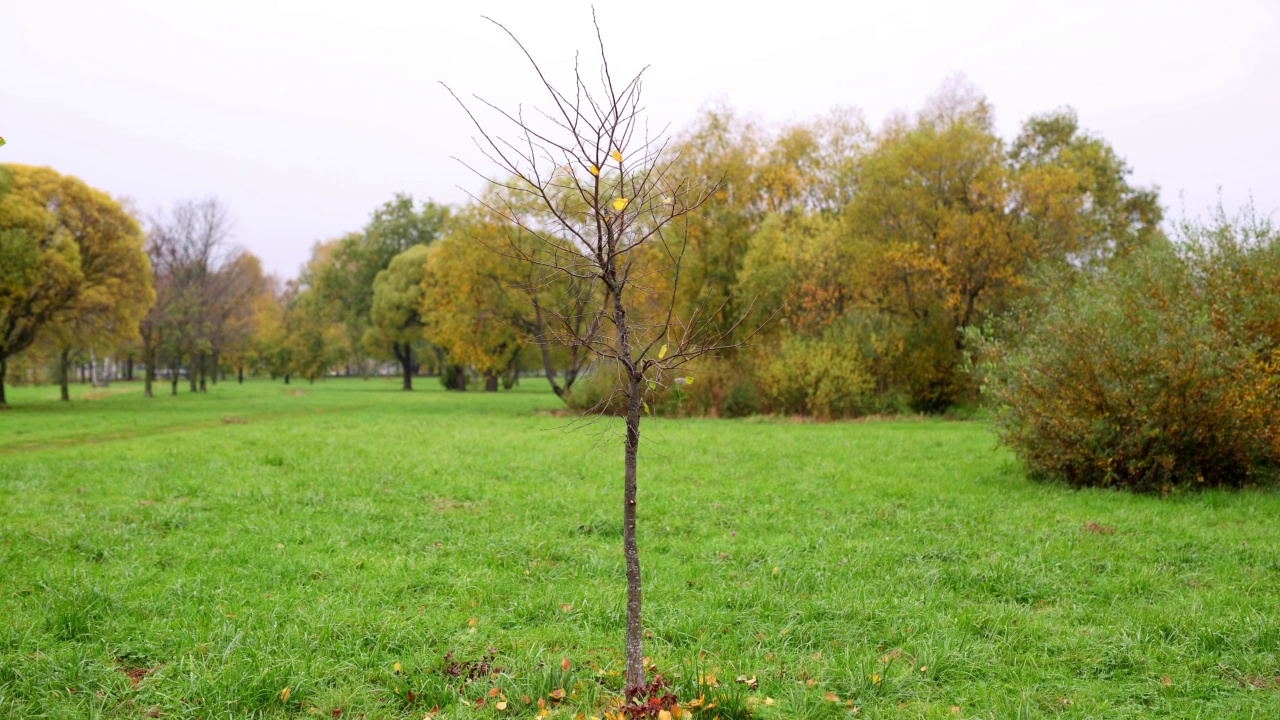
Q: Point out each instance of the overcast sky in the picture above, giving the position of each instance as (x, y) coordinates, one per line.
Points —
(304, 116)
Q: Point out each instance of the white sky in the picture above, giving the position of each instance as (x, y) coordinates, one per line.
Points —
(304, 116)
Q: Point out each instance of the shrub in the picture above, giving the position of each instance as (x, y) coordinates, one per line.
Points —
(824, 376)
(1161, 373)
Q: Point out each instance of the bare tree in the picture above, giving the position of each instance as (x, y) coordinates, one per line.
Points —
(611, 217)
(190, 255)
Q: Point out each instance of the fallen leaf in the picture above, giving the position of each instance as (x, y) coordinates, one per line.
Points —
(768, 701)
(1166, 681)
(566, 607)
(831, 697)
(395, 668)
(557, 694)
(284, 694)
(501, 705)
(493, 692)
(564, 664)
(472, 622)
(664, 715)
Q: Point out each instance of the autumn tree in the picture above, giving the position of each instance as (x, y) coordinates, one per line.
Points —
(88, 299)
(615, 212)
(485, 307)
(115, 291)
(396, 315)
(39, 260)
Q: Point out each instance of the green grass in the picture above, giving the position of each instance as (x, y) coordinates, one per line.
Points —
(347, 526)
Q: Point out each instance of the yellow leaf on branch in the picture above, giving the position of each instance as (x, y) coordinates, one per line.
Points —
(620, 204)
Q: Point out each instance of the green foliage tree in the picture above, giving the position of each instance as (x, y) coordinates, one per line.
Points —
(396, 315)
(345, 283)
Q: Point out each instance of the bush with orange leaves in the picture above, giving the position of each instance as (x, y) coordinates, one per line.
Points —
(1161, 373)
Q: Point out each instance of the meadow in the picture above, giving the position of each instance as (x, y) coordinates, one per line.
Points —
(383, 554)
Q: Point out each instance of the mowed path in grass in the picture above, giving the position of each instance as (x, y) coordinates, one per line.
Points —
(156, 560)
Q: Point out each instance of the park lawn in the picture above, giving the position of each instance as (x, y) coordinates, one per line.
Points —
(156, 560)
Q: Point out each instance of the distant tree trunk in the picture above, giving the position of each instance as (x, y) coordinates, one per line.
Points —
(404, 353)
(240, 374)
(128, 368)
(459, 377)
(191, 373)
(216, 367)
(93, 367)
(204, 361)
(173, 378)
(286, 378)
(148, 370)
(84, 374)
(4, 370)
(64, 372)
(490, 381)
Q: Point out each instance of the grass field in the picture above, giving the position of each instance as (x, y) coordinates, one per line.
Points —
(156, 561)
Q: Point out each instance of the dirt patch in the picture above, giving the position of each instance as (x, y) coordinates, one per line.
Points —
(233, 421)
(136, 674)
(1097, 529)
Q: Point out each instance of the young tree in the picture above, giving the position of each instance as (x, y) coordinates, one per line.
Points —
(396, 314)
(612, 213)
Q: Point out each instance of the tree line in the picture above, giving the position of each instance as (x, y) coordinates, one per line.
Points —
(860, 258)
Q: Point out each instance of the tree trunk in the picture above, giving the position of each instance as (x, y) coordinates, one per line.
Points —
(204, 361)
(128, 369)
(213, 371)
(630, 550)
(191, 373)
(404, 353)
(64, 372)
(459, 378)
(490, 382)
(173, 380)
(4, 370)
(93, 367)
(148, 371)
(286, 378)
(240, 374)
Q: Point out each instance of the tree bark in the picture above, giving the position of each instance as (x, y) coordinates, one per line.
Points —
(240, 374)
(213, 371)
(630, 550)
(64, 371)
(204, 361)
(148, 370)
(173, 379)
(93, 367)
(286, 378)
(128, 369)
(404, 353)
(4, 370)
(490, 382)
(191, 373)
